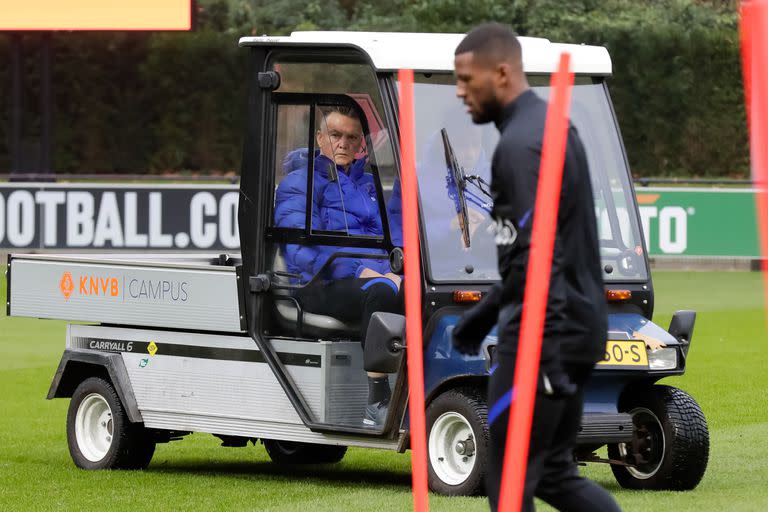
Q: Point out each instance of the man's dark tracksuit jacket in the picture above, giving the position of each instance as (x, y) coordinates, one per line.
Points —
(576, 322)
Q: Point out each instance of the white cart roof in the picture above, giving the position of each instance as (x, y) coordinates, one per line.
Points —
(390, 51)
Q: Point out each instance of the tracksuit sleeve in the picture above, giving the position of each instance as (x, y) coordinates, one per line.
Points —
(290, 212)
(515, 190)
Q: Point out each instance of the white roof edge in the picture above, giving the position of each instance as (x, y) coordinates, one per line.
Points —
(389, 51)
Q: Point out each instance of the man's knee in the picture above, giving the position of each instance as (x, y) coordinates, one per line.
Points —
(384, 294)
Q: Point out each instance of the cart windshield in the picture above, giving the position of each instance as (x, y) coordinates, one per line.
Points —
(453, 166)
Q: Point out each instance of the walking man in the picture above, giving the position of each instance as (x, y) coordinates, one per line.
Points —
(491, 82)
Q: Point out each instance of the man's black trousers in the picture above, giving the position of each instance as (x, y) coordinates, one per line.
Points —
(352, 300)
(552, 474)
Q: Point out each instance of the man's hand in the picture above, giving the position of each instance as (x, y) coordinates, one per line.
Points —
(367, 273)
(466, 338)
(476, 323)
(394, 278)
(650, 342)
(475, 219)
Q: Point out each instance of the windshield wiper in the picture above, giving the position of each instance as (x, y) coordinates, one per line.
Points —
(456, 173)
(482, 185)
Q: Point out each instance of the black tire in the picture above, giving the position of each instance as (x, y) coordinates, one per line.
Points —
(125, 445)
(452, 472)
(290, 452)
(671, 446)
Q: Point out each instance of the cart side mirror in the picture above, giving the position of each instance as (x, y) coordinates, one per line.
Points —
(681, 327)
(384, 342)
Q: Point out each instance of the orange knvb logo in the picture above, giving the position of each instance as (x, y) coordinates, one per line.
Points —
(89, 285)
(66, 285)
(92, 285)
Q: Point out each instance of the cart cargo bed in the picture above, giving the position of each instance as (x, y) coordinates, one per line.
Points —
(168, 291)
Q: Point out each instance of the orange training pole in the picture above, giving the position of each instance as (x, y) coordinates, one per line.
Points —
(754, 39)
(412, 283)
(536, 288)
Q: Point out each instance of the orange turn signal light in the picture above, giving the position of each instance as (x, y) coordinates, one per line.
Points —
(618, 295)
(462, 296)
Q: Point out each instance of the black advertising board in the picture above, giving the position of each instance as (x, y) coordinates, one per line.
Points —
(118, 217)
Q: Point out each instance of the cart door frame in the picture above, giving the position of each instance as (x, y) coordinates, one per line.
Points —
(255, 211)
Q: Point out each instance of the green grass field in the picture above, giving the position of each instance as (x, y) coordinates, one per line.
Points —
(726, 374)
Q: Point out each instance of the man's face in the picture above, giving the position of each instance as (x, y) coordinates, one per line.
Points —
(476, 85)
(340, 138)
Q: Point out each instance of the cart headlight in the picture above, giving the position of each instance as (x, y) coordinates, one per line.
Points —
(663, 359)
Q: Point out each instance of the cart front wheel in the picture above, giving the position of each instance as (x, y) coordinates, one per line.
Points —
(458, 442)
(670, 446)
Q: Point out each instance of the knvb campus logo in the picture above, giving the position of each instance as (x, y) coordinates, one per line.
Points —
(89, 285)
(156, 291)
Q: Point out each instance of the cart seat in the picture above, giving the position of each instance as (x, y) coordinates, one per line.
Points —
(313, 325)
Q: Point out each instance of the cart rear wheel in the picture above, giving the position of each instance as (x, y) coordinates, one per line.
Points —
(290, 452)
(457, 444)
(670, 448)
(99, 433)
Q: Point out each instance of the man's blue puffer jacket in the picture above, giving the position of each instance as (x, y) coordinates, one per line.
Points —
(335, 192)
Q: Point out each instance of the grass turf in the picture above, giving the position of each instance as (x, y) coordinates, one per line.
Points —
(726, 374)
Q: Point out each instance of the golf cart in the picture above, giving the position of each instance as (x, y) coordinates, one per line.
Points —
(175, 344)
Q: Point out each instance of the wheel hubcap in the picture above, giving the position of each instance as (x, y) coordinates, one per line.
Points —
(648, 447)
(93, 427)
(452, 448)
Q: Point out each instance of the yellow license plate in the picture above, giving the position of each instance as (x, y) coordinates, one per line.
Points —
(625, 354)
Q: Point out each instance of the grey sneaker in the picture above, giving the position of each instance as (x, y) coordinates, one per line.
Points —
(375, 414)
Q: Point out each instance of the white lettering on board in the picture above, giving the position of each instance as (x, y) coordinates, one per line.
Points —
(132, 237)
(203, 233)
(21, 218)
(79, 219)
(108, 225)
(50, 200)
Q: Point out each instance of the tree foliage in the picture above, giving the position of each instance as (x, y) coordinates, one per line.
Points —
(168, 101)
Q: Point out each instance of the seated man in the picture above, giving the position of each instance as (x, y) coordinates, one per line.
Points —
(344, 200)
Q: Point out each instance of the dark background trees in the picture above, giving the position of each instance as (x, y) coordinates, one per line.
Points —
(133, 102)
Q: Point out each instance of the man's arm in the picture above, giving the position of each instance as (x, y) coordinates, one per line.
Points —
(516, 214)
(290, 212)
(476, 322)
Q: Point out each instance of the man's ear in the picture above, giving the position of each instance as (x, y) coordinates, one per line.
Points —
(503, 74)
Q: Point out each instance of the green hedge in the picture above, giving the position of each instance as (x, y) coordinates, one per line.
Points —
(677, 83)
(135, 102)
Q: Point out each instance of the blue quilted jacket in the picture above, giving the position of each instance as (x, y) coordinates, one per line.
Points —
(335, 192)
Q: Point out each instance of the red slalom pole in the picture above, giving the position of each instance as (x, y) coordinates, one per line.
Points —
(754, 39)
(536, 289)
(412, 283)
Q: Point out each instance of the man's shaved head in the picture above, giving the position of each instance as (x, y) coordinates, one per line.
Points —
(492, 43)
(489, 71)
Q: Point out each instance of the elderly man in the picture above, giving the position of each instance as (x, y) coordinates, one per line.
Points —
(344, 200)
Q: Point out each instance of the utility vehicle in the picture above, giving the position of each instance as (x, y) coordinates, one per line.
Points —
(166, 345)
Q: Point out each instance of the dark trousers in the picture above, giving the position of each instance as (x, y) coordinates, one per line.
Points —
(552, 474)
(352, 300)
